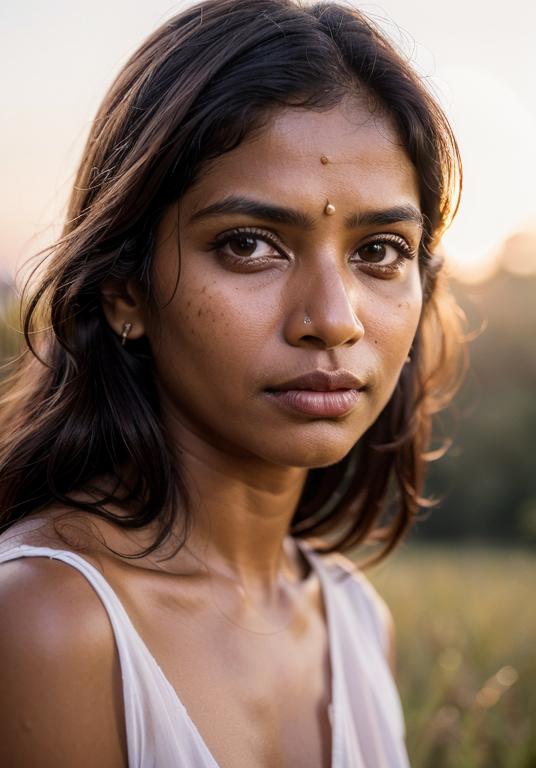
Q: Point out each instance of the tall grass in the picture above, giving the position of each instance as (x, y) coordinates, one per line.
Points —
(466, 642)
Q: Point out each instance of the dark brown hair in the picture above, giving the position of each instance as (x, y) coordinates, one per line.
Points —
(79, 407)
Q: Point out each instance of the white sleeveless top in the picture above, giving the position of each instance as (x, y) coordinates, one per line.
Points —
(365, 712)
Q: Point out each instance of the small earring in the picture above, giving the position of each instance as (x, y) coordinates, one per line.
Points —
(307, 320)
(127, 327)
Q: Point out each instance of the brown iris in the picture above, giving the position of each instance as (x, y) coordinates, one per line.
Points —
(243, 245)
(373, 252)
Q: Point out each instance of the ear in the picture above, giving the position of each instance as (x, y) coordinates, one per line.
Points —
(124, 302)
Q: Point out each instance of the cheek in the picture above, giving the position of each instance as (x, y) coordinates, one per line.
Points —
(198, 319)
(198, 327)
(392, 326)
(209, 333)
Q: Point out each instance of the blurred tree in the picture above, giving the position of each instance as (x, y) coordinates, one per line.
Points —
(487, 481)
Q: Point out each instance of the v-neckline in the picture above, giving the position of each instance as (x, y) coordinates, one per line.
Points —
(331, 640)
(334, 677)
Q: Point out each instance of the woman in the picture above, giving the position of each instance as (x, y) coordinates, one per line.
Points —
(244, 339)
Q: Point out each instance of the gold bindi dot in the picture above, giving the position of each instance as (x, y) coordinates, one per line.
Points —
(329, 210)
(324, 159)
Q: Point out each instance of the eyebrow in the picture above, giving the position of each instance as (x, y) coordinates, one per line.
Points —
(398, 213)
(294, 218)
(257, 209)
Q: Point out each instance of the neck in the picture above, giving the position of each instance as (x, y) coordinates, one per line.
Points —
(241, 512)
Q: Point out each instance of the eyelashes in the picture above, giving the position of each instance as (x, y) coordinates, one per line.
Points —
(243, 242)
(378, 249)
(253, 248)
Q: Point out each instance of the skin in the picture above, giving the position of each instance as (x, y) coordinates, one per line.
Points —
(242, 325)
(233, 329)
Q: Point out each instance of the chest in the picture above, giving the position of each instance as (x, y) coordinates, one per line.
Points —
(256, 698)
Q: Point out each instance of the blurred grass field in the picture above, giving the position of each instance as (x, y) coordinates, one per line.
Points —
(466, 647)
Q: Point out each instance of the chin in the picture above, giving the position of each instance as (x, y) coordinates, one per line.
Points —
(312, 451)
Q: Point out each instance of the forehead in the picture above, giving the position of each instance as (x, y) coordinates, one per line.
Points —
(366, 161)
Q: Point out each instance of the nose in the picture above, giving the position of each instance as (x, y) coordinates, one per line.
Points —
(324, 313)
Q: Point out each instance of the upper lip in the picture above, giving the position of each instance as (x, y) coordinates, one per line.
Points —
(321, 381)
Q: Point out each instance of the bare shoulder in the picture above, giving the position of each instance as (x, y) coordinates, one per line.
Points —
(61, 698)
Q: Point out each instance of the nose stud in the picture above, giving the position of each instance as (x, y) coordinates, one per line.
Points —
(307, 320)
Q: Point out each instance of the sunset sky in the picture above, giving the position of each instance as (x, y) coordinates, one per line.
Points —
(59, 57)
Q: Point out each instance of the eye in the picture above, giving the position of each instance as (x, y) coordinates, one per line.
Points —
(375, 253)
(248, 247)
(387, 252)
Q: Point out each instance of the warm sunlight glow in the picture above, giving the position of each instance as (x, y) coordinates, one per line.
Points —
(496, 135)
(482, 74)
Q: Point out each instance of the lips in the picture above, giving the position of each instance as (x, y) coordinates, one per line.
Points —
(321, 381)
(322, 394)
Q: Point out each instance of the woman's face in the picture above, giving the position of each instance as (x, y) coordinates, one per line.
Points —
(274, 285)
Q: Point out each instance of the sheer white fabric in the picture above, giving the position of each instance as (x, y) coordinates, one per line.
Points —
(366, 716)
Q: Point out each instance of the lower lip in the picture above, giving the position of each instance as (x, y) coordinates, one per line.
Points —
(320, 404)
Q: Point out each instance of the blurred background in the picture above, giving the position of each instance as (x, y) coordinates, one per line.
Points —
(462, 587)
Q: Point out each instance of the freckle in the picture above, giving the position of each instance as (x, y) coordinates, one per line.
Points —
(375, 341)
(204, 289)
(199, 312)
